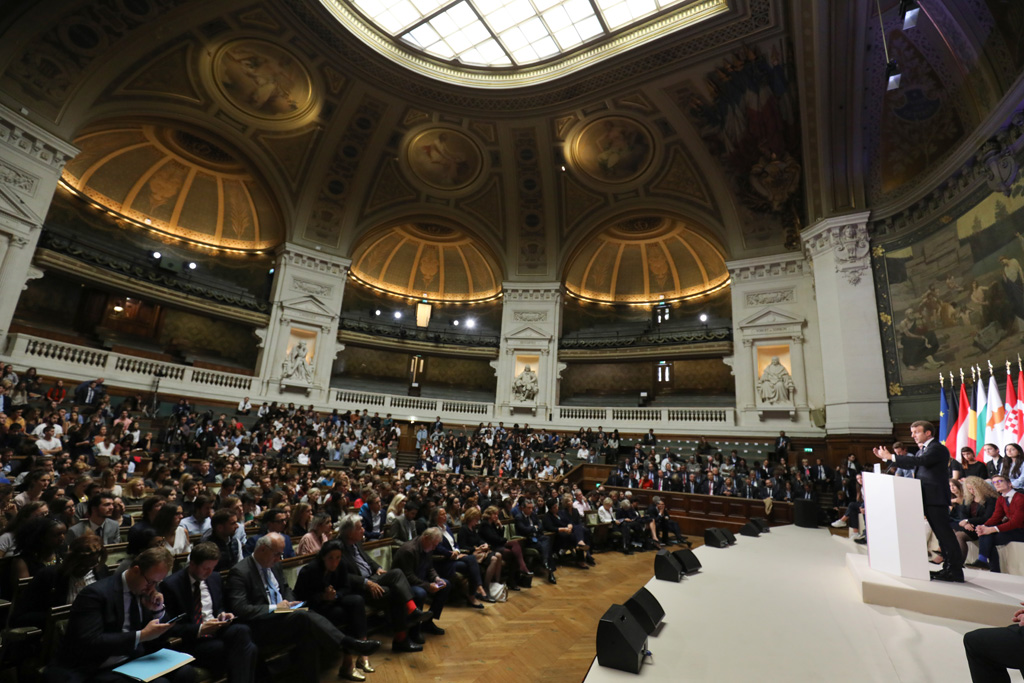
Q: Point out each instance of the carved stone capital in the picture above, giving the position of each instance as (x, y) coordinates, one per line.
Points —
(768, 267)
(21, 136)
(846, 238)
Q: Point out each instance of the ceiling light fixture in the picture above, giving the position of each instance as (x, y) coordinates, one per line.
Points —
(157, 254)
(909, 10)
(191, 265)
(892, 69)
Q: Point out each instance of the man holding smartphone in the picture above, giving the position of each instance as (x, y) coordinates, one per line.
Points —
(196, 594)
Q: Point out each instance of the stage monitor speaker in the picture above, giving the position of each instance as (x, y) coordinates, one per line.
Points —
(621, 641)
(729, 536)
(647, 610)
(762, 523)
(687, 560)
(750, 529)
(714, 537)
(805, 513)
(666, 567)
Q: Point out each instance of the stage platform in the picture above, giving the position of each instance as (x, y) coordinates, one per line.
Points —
(784, 607)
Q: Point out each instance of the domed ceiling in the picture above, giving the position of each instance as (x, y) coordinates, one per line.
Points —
(175, 182)
(646, 260)
(427, 261)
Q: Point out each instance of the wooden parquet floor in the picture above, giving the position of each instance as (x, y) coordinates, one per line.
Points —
(542, 634)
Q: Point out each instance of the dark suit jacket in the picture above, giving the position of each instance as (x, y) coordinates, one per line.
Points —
(929, 467)
(349, 566)
(417, 565)
(177, 590)
(528, 527)
(382, 516)
(95, 628)
(245, 594)
(47, 589)
(250, 545)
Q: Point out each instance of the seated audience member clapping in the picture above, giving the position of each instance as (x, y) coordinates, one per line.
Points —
(450, 558)
(116, 620)
(492, 532)
(978, 506)
(488, 558)
(206, 630)
(60, 584)
(386, 589)
(415, 559)
(323, 586)
(1005, 525)
(258, 595)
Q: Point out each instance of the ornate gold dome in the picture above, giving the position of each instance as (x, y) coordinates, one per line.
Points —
(176, 182)
(646, 260)
(427, 261)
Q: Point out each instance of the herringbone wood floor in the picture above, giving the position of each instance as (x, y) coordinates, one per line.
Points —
(542, 634)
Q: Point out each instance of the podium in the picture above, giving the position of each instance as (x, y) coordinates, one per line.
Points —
(895, 523)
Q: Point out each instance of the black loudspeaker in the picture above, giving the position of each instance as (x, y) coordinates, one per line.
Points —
(714, 538)
(666, 567)
(621, 641)
(750, 529)
(729, 536)
(805, 513)
(687, 559)
(646, 609)
(762, 524)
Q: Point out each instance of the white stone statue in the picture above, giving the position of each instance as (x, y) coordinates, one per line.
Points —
(775, 385)
(525, 386)
(296, 366)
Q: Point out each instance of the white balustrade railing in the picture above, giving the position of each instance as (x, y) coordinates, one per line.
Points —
(70, 361)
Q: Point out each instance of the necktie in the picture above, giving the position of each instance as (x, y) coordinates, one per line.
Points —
(134, 615)
(197, 602)
(272, 593)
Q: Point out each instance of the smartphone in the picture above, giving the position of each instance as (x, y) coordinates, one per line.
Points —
(174, 619)
(299, 605)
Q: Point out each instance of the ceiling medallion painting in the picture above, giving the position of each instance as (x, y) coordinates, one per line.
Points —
(444, 158)
(263, 80)
(176, 182)
(612, 150)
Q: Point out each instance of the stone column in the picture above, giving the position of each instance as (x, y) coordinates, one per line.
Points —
(31, 161)
(301, 341)
(527, 367)
(856, 401)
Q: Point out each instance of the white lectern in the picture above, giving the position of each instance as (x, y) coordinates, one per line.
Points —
(895, 526)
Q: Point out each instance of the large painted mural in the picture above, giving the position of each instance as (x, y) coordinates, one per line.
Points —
(951, 294)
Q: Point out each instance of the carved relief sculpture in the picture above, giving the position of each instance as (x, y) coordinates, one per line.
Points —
(296, 366)
(776, 386)
(525, 386)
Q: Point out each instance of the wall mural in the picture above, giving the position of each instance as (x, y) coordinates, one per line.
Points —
(613, 149)
(952, 293)
(262, 79)
(444, 158)
(749, 121)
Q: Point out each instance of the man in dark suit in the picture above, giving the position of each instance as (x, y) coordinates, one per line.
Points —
(782, 446)
(375, 517)
(101, 507)
(929, 465)
(256, 591)
(991, 651)
(387, 589)
(415, 560)
(116, 620)
(528, 526)
(404, 528)
(196, 591)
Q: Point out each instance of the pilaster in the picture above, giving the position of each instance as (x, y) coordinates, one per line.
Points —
(530, 326)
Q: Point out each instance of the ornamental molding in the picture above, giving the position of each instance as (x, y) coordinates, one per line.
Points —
(771, 297)
(313, 261)
(21, 135)
(847, 239)
(309, 287)
(790, 264)
(514, 291)
(530, 316)
(22, 182)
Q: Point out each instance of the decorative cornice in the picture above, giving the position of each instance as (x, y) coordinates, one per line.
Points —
(696, 350)
(21, 135)
(523, 291)
(789, 264)
(313, 260)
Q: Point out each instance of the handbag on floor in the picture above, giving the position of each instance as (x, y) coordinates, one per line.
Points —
(498, 592)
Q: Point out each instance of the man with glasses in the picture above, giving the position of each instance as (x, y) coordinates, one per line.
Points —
(258, 595)
(274, 521)
(115, 620)
(1005, 525)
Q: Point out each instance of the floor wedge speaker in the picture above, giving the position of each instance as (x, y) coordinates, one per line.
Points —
(762, 524)
(621, 641)
(688, 561)
(750, 529)
(805, 513)
(729, 536)
(714, 538)
(646, 609)
(666, 567)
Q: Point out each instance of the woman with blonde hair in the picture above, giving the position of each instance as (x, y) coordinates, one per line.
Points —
(979, 504)
(396, 508)
(134, 491)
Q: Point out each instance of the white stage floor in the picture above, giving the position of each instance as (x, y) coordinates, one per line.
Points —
(784, 607)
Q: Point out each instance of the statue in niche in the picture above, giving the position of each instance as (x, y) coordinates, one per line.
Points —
(775, 385)
(296, 366)
(525, 386)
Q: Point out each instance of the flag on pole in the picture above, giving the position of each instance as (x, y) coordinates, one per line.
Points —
(972, 417)
(943, 411)
(1012, 419)
(1018, 408)
(963, 420)
(982, 410)
(996, 413)
(952, 422)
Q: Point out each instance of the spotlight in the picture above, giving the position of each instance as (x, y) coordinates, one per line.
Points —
(909, 11)
(456, 323)
(470, 323)
(377, 312)
(118, 309)
(703, 317)
(892, 73)
(191, 265)
(398, 315)
(271, 271)
(157, 254)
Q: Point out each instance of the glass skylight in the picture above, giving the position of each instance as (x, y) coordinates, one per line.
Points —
(505, 33)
